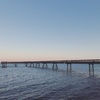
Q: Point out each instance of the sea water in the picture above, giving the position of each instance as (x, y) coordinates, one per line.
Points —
(28, 83)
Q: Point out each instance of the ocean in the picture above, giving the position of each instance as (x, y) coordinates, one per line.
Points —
(28, 83)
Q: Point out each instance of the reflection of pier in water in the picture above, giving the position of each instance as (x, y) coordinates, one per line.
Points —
(55, 63)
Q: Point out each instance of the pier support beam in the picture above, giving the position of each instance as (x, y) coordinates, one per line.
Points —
(33, 64)
(26, 65)
(45, 65)
(30, 65)
(55, 66)
(91, 68)
(4, 65)
(38, 65)
(69, 67)
(15, 65)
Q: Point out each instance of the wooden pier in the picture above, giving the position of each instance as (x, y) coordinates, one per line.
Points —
(55, 63)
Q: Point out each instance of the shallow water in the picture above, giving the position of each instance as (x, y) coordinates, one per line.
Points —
(25, 83)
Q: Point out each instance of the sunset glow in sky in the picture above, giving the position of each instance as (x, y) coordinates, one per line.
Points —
(49, 29)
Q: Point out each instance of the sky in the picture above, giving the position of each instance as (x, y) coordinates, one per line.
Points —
(49, 29)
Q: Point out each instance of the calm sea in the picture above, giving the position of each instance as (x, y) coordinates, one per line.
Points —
(25, 83)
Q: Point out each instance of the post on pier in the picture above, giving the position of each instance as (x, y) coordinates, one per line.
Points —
(4, 65)
(15, 65)
(26, 65)
(45, 65)
(91, 68)
(38, 65)
(55, 66)
(30, 65)
(33, 64)
(69, 67)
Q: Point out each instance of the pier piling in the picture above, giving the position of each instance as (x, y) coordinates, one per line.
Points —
(91, 68)
(69, 67)
(55, 66)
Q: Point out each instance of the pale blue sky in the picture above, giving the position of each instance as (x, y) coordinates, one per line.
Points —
(49, 29)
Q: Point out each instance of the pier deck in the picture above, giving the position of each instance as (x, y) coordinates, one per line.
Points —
(69, 63)
(94, 61)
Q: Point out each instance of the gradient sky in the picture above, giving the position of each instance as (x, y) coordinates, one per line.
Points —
(49, 29)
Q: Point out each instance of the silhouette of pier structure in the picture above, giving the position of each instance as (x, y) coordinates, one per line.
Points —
(55, 63)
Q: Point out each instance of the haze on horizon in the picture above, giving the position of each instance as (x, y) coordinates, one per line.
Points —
(49, 29)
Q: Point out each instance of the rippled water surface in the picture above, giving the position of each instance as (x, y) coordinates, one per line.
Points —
(25, 83)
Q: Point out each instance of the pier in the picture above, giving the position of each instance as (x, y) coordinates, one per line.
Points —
(55, 63)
